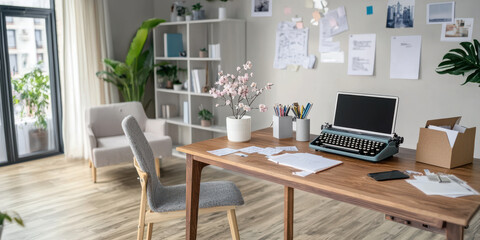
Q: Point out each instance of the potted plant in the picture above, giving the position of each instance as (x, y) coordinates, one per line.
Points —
(177, 85)
(203, 53)
(198, 12)
(180, 13)
(205, 117)
(130, 77)
(188, 14)
(222, 11)
(460, 62)
(32, 93)
(169, 73)
(9, 217)
(239, 93)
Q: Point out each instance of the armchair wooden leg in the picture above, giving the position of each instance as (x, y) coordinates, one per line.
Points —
(90, 163)
(157, 167)
(94, 173)
(232, 220)
(149, 231)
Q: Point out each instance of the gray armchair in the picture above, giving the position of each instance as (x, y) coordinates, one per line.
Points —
(107, 142)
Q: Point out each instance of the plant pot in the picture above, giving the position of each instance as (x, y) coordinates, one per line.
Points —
(177, 87)
(195, 14)
(180, 18)
(222, 13)
(205, 123)
(38, 139)
(201, 14)
(239, 130)
(203, 54)
(188, 18)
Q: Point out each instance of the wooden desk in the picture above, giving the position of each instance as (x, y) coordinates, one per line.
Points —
(348, 182)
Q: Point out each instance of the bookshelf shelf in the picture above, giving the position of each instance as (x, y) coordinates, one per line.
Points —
(229, 34)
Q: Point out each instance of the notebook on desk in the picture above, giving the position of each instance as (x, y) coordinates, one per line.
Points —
(363, 127)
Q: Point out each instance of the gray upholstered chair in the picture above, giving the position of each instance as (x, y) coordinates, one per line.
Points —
(107, 142)
(168, 202)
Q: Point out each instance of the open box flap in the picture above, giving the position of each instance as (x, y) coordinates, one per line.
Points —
(444, 122)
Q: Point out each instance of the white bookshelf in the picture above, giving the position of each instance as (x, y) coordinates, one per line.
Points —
(230, 34)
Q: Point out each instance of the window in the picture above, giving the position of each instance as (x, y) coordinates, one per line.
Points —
(12, 41)
(38, 38)
(30, 3)
(13, 64)
(39, 57)
(24, 60)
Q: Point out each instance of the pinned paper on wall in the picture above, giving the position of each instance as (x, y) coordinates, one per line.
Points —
(291, 47)
(405, 57)
(316, 17)
(369, 10)
(361, 54)
(334, 22)
(332, 57)
(326, 44)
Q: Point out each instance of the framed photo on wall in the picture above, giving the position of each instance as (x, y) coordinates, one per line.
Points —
(438, 13)
(262, 8)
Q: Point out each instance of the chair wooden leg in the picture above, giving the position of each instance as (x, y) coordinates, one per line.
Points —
(90, 163)
(149, 231)
(94, 173)
(232, 220)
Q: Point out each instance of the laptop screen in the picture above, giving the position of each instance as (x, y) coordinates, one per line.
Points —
(366, 113)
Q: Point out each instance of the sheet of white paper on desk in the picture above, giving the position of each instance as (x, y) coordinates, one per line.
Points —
(223, 151)
(451, 134)
(302, 173)
(288, 148)
(305, 161)
(435, 188)
(251, 149)
(405, 57)
(269, 151)
(361, 54)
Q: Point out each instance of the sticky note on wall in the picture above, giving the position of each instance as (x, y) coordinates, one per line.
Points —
(369, 10)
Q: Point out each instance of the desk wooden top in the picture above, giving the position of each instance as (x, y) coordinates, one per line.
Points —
(349, 182)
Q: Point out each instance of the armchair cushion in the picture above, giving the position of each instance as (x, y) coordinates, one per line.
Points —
(156, 126)
(115, 149)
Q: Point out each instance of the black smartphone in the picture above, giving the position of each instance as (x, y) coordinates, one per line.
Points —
(390, 175)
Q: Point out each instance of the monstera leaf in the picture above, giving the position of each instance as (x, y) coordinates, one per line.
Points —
(462, 62)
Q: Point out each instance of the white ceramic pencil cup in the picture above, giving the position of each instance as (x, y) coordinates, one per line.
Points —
(282, 127)
(303, 130)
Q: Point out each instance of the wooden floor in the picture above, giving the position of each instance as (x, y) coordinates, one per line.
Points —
(57, 200)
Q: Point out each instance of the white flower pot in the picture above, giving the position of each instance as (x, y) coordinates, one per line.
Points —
(222, 13)
(239, 130)
(177, 87)
(188, 18)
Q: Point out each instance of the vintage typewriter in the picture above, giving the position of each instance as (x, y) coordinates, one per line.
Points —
(363, 127)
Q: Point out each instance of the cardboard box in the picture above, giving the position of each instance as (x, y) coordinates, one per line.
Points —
(434, 147)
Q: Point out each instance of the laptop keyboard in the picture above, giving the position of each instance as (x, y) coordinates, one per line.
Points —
(349, 144)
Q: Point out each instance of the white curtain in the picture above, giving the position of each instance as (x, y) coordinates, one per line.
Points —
(82, 43)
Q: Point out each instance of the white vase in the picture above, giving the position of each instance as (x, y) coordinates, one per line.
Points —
(239, 130)
(177, 87)
(222, 13)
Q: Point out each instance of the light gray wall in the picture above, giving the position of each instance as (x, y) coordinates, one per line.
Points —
(432, 96)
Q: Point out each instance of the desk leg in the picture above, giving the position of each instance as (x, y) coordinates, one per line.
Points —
(194, 173)
(454, 231)
(288, 214)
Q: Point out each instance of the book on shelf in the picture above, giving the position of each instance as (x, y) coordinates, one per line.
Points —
(173, 44)
(185, 112)
(199, 80)
(214, 50)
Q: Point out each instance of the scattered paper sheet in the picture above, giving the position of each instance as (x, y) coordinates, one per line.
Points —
(269, 151)
(451, 134)
(405, 57)
(223, 151)
(442, 184)
(241, 154)
(304, 161)
(361, 54)
(251, 149)
(288, 148)
(332, 57)
(291, 47)
(334, 22)
(326, 44)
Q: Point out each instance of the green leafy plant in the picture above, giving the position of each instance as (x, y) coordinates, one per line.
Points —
(181, 10)
(462, 61)
(204, 114)
(196, 7)
(169, 71)
(130, 77)
(177, 82)
(32, 93)
(203, 50)
(10, 217)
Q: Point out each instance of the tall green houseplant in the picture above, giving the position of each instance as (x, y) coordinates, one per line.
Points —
(32, 93)
(130, 77)
(463, 62)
